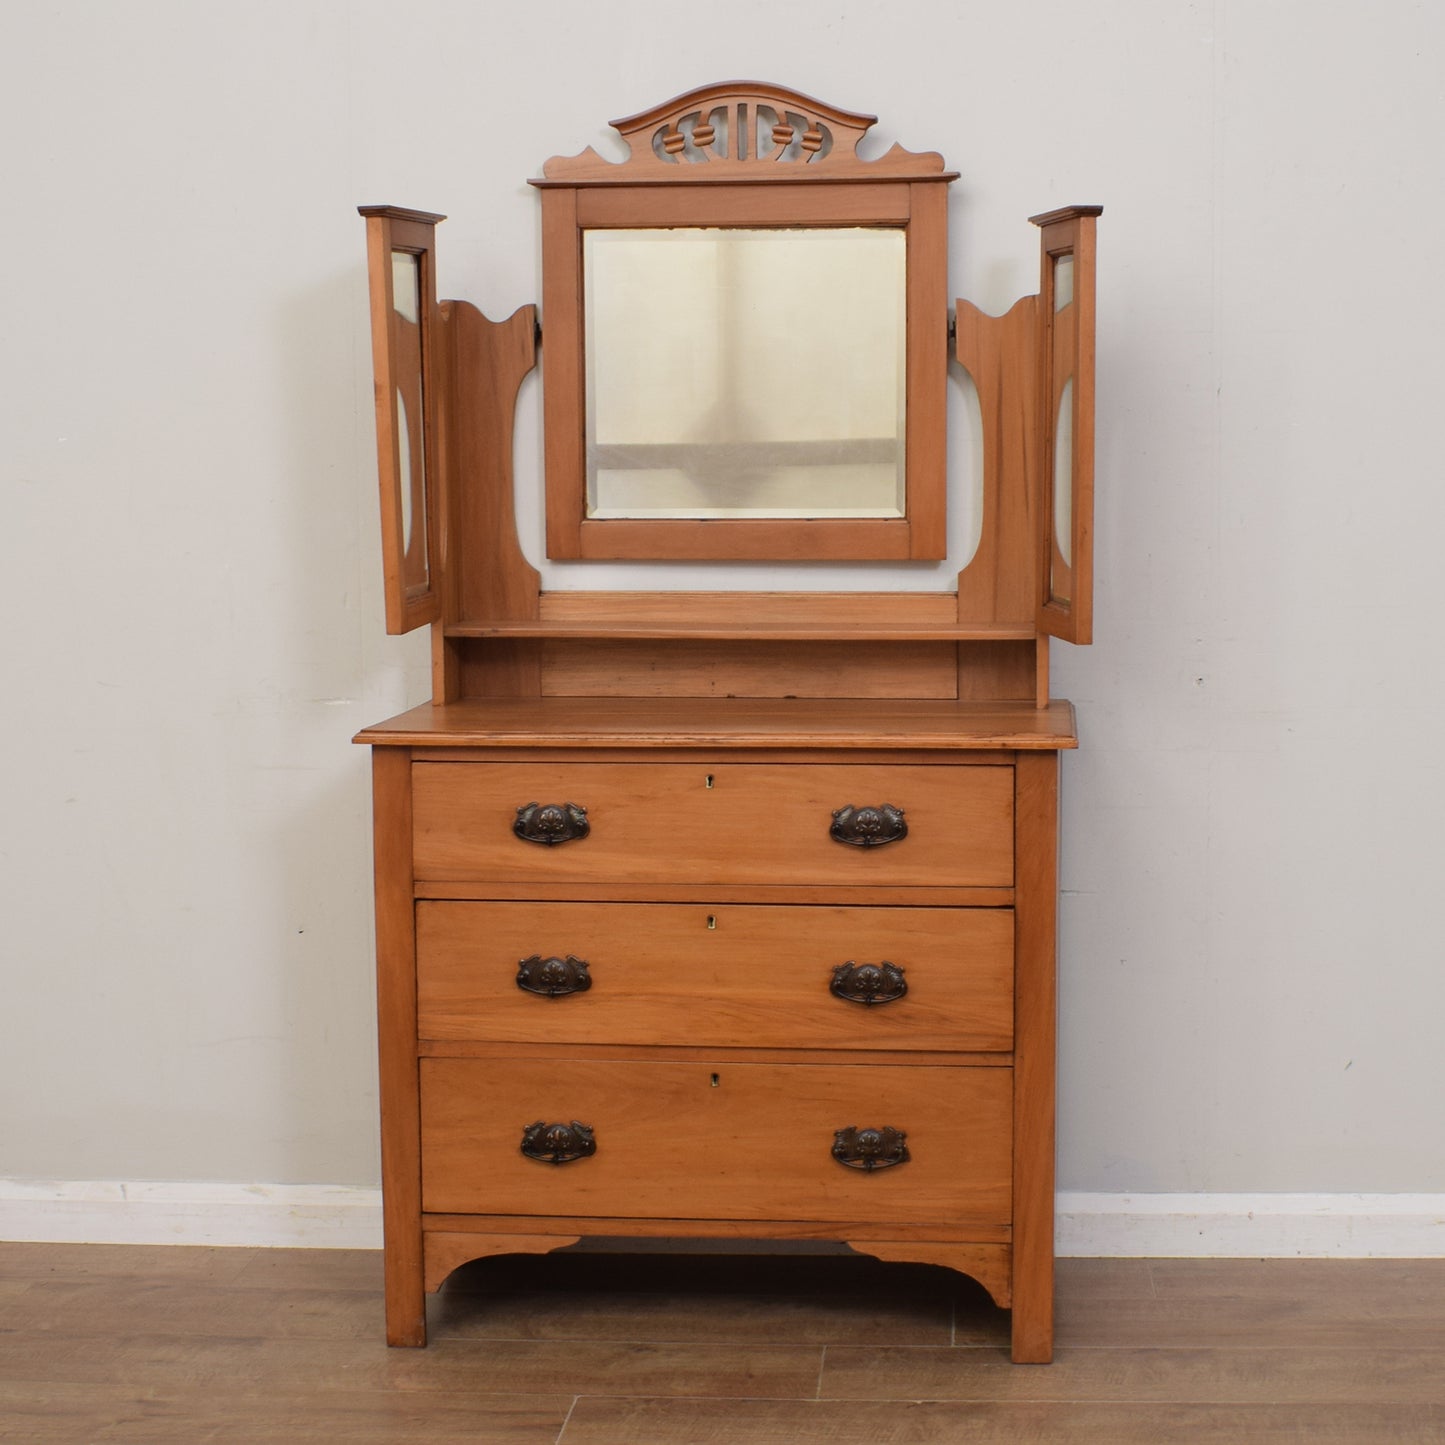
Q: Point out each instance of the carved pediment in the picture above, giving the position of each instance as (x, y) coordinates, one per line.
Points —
(741, 130)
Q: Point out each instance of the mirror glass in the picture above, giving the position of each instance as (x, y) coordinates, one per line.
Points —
(1063, 281)
(745, 373)
(1061, 564)
(406, 343)
(1060, 582)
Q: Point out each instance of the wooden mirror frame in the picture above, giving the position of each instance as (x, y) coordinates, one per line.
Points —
(1066, 356)
(683, 170)
(404, 362)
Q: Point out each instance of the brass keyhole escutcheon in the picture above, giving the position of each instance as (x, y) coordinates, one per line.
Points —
(707, 781)
(712, 920)
(715, 1080)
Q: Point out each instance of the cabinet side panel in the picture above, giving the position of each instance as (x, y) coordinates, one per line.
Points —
(1035, 990)
(396, 1029)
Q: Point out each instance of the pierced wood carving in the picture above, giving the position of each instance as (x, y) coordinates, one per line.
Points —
(717, 131)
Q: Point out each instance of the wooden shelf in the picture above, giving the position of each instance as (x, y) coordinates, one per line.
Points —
(670, 722)
(623, 629)
(747, 617)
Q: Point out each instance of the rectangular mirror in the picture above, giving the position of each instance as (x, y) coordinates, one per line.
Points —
(410, 416)
(745, 373)
(747, 359)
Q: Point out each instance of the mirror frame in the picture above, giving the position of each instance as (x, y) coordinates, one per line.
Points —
(411, 557)
(694, 161)
(1066, 356)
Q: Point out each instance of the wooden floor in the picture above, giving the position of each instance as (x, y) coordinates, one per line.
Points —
(109, 1343)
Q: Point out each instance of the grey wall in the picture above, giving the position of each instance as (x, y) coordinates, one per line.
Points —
(1250, 971)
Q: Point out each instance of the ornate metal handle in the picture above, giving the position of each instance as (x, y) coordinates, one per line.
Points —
(551, 823)
(558, 1143)
(553, 977)
(868, 827)
(870, 1149)
(868, 983)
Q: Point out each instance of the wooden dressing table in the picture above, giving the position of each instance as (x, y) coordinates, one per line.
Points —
(720, 914)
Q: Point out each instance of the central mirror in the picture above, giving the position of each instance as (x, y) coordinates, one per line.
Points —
(745, 373)
(745, 345)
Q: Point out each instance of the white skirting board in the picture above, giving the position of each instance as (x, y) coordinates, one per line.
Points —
(320, 1216)
(1245, 1226)
(293, 1216)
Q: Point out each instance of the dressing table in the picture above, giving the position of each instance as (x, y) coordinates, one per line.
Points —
(716, 914)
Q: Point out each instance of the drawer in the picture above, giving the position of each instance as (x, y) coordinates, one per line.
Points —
(716, 1141)
(739, 823)
(724, 976)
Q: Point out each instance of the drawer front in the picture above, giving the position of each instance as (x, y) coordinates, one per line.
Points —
(733, 975)
(716, 1141)
(739, 823)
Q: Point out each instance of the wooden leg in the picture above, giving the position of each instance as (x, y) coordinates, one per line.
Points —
(1032, 1334)
(405, 1298)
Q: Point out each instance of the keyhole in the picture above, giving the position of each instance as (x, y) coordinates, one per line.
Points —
(712, 920)
(707, 781)
(714, 1080)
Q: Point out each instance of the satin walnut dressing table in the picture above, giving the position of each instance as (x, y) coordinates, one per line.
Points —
(717, 914)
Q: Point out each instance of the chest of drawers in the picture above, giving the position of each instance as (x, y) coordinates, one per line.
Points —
(745, 979)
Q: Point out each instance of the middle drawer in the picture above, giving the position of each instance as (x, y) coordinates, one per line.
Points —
(760, 976)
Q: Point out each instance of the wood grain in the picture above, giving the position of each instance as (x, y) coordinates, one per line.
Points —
(712, 975)
(700, 666)
(716, 820)
(1000, 353)
(866, 725)
(719, 1140)
(1035, 1047)
(396, 1029)
(406, 356)
(488, 574)
(159, 1345)
(621, 1421)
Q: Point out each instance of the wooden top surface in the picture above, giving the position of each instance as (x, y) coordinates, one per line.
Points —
(730, 722)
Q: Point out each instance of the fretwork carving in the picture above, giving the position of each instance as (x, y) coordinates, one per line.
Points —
(716, 131)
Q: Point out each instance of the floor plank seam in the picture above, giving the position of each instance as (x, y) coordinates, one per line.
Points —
(566, 1420)
(822, 1369)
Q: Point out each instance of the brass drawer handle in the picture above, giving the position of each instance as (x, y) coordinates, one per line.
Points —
(870, 1149)
(551, 823)
(553, 977)
(868, 983)
(868, 827)
(558, 1143)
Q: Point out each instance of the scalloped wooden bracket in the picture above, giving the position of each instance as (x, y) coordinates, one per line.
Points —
(742, 129)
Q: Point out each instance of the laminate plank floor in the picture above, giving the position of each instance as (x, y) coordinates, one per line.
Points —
(102, 1343)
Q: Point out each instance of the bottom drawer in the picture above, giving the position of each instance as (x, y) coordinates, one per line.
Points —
(716, 1140)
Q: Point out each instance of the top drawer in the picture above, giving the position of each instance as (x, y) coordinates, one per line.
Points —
(748, 823)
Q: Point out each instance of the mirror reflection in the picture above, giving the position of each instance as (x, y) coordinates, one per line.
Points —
(406, 342)
(1063, 281)
(1061, 581)
(745, 373)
